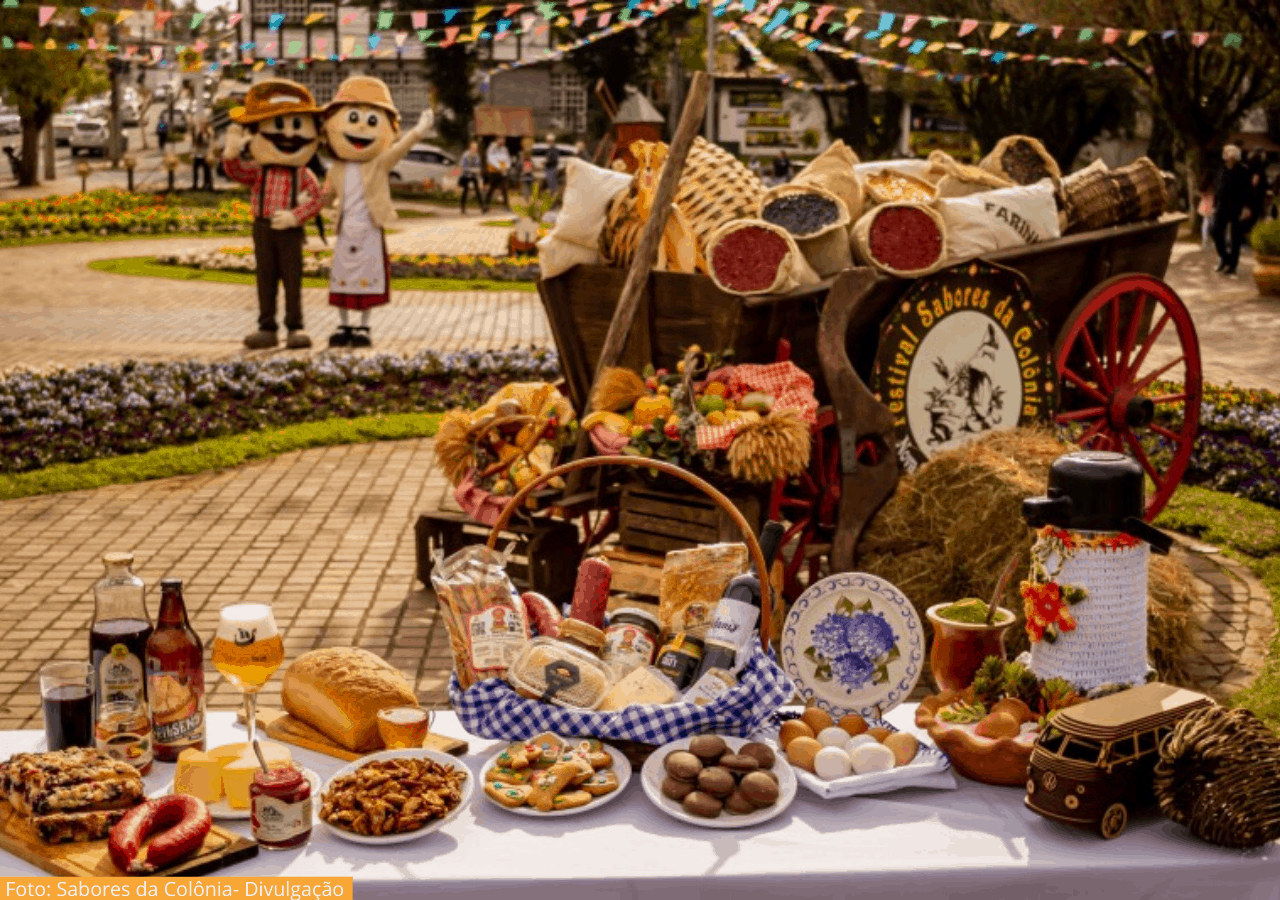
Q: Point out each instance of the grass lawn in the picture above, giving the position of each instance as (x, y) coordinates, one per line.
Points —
(217, 453)
(146, 266)
(414, 213)
(84, 237)
(1250, 533)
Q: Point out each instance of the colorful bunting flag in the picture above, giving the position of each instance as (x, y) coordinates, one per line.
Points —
(1135, 36)
(312, 18)
(885, 23)
(424, 34)
(998, 29)
(348, 19)
(1026, 29)
(234, 19)
(888, 39)
(1233, 40)
(294, 47)
(321, 43)
(450, 36)
(87, 11)
(1199, 38)
(162, 16)
(967, 26)
(604, 19)
(851, 14)
(934, 47)
(385, 18)
(46, 13)
(1109, 35)
(121, 15)
(276, 20)
(374, 40)
(348, 44)
(1086, 34)
(401, 37)
(1057, 31)
(917, 46)
(579, 16)
(512, 9)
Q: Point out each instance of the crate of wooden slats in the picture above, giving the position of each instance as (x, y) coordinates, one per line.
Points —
(658, 521)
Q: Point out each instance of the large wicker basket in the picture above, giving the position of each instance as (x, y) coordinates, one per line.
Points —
(1132, 193)
(714, 188)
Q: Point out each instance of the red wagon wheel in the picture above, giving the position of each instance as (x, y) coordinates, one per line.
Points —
(1115, 396)
(810, 505)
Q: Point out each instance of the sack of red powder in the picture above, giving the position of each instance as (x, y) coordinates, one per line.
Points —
(818, 220)
(750, 256)
(902, 239)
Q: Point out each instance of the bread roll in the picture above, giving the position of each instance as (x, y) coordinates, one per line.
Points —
(339, 690)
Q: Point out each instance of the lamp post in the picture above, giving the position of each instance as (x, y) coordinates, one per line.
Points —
(83, 170)
(130, 162)
(710, 125)
(170, 163)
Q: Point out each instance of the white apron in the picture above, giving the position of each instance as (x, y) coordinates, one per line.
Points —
(358, 265)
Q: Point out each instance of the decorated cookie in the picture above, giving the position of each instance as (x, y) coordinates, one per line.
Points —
(509, 795)
(514, 757)
(548, 746)
(507, 776)
(546, 788)
(570, 800)
(601, 783)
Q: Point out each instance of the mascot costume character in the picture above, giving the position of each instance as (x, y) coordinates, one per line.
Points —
(278, 127)
(361, 127)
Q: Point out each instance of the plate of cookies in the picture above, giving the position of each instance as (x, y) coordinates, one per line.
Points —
(549, 776)
(718, 782)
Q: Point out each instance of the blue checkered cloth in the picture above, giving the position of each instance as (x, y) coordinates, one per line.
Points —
(492, 709)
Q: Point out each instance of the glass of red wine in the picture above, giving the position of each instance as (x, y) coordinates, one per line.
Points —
(66, 688)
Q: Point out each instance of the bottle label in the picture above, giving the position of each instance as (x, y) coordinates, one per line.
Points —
(709, 688)
(119, 676)
(177, 707)
(276, 821)
(734, 623)
(627, 647)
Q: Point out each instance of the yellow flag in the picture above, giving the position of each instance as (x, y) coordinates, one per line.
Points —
(122, 15)
(1136, 35)
(51, 44)
(851, 14)
(312, 18)
(802, 22)
(482, 11)
(888, 39)
(998, 29)
(258, 66)
(934, 47)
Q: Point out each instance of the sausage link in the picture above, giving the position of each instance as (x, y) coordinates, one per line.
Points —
(542, 613)
(181, 822)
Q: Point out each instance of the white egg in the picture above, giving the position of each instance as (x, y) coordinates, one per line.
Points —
(833, 736)
(872, 758)
(831, 763)
(860, 741)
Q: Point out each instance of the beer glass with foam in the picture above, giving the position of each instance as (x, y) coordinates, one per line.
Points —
(247, 650)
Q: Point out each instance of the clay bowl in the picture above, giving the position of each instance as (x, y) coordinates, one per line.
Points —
(989, 760)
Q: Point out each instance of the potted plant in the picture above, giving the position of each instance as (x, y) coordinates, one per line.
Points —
(967, 632)
(529, 215)
(1265, 240)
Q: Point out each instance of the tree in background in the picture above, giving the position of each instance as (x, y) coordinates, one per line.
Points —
(39, 81)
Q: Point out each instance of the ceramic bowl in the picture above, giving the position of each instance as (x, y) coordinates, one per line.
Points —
(989, 760)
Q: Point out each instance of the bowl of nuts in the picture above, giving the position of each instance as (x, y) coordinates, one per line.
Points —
(395, 796)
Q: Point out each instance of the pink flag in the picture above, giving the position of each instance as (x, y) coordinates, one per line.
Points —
(604, 19)
(46, 13)
(162, 16)
(419, 19)
(579, 16)
(1109, 35)
(157, 53)
(1199, 38)
(321, 43)
(908, 22)
(823, 12)
(967, 26)
(1057, 31)
(234, 19)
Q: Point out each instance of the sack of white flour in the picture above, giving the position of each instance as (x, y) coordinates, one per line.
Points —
(994, 220)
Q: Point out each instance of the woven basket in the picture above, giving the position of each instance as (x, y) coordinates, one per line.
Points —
(1132, 193)
(714, 188)
(1219, 775)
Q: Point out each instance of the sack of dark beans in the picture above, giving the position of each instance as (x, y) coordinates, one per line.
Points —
(1023, 160)
(750, 256)
(817, 219)
(834, 170)
(906, 240)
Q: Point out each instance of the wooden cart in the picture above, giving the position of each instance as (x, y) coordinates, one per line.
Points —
(1098, 294)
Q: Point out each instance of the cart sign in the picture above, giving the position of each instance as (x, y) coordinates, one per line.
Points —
(962, 354)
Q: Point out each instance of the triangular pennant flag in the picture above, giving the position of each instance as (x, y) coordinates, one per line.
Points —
(851, 33)
(851, 14)
(424, 34)
(348, 18)
(1057, 31)
(321, 43)
(46, 13)
(133, 49)
(157, 52)
(579, 16)
(200, 46)
(888, 39)
(1024, 30)
(1199, 38)
(909, 22)
(374, 40)
(419, 19)
(294, 47)
(937, 21)
(449, 14)
(917, 47)
(482, 12)
(1136, 35)
(886, 22)
(801, 22)
(234, 19)
(904, 42)
(450, 36)
(512, 9)
(541, 30)
(476, 29)
(934, 47)
(1109, 35)
(999, 28)
(547, 10)
(196, 19)
(1086, 34)
(561, 22)
(348, 44)
(985, 52)
(259, 66)
(8, 4)
(603, 20)
(401, 37)
(821, 17)
(1232, 40)
(276, 20)
(25, 45)
(312, 18)
(385, 18)
(162, 16)
(998, 56)
(967, 26)
(87, 11)
(121, 15)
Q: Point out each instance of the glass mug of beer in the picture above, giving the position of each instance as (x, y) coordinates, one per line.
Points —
(247, 651)
(404, 726)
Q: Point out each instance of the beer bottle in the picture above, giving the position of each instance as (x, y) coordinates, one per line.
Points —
(175, 676)
(118, 636)
(737, 615)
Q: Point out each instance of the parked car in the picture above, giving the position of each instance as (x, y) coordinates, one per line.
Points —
(64, 125)
(10, 121)
(177, 122)
(426, 162)
(1095, 763)
(93, 136)
(540, 157)
(129, 114)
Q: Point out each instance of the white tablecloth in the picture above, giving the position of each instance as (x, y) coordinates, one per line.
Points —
(978, 841)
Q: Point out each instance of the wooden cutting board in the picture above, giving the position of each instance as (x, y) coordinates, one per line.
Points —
(280, 726)
(92, 860)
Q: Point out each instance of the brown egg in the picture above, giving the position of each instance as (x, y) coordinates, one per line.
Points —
(817, 719)
(853, 724)
(1016, 708)
(792, 729)
(998, 725)
(903, 745)
(801, 752)
(879, 733)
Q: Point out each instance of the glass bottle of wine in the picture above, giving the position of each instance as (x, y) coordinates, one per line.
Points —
(737, 616)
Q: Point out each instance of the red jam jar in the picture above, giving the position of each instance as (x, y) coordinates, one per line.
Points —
(280, 809)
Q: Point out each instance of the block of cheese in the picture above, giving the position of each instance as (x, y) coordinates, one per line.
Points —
(641, 685)
(237, 772)
(339, 690)
(199, 775)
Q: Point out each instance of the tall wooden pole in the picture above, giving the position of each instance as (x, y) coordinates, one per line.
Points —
(709, 131)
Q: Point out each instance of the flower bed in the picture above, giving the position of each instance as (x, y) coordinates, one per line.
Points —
(108, 212)
(403, 265)
(109, 410)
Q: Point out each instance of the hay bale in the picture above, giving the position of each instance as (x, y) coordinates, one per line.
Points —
(952, 526)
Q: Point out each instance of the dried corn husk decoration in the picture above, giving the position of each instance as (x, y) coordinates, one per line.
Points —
(777, 446)
(617, 389)
(453, 444)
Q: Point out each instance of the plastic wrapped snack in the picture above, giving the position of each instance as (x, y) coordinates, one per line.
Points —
(693, 582)
(483, 611)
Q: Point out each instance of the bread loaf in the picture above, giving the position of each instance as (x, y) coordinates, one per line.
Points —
(339, 690)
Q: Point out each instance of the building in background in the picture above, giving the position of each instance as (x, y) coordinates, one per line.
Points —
(553, 90)
(761, 117)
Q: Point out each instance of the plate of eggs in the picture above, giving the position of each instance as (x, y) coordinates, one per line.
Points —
(855, 755)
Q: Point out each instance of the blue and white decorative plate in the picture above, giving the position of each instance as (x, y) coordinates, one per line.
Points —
(853, 644)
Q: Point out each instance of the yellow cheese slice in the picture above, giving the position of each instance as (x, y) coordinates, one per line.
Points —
(639, 686)
(238, 762)
(199, 775)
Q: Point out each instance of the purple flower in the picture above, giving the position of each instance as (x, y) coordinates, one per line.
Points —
(852, 670)
(864, 633)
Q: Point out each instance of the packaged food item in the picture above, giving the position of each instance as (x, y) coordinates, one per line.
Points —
(483, 611)
(640, 686)
(339, 690)
(710, 686)
(679, 659)
(630, 641)
(563, 671)
(693, 581)
(124, 733)
(280, 808)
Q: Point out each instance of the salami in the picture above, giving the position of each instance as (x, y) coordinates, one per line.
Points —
(542, 613)
(179, 822)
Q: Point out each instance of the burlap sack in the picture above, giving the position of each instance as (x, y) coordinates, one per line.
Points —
(897, 186)
(793, 272)
(1023, 160)
(826, 250)
(832, 170)
(862, 240)
(955, 179)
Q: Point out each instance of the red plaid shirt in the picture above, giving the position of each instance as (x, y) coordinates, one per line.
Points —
(271, 192)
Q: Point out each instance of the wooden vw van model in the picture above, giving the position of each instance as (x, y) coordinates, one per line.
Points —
(1096, 761)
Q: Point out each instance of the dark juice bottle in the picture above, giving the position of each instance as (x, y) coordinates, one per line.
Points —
(737, 617)
(118, 638)
(175, 677)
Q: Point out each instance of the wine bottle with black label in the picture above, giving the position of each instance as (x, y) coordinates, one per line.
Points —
(737, 616)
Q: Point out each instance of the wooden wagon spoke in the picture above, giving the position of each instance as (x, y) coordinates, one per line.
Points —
(1092, 432)
(1091, 353)
(1131, 333)
(1147, 379)
(1077, 414)
(1150, 342)
(1113, 338)
(1165, 432)
(1084, 386)
(1169, 398)
(1141, 454)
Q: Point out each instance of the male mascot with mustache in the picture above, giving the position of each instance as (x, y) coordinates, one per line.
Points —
(361, 125)
(278, 128)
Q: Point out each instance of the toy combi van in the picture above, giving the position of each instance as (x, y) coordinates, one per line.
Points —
(1096, 761)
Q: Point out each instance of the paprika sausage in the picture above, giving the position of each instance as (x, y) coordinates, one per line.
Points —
(179, 822)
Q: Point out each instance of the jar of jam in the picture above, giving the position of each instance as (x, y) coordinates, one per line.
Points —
(280, 808)
(630, 641)
(680, 658)
(123, 733)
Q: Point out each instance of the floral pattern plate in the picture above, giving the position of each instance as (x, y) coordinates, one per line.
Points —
(853, 643)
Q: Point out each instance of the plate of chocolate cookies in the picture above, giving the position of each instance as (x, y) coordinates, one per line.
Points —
(718, 782)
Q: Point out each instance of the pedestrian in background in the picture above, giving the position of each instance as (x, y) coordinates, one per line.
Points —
(162, 131)
(782, 168)
(497, 169)
(469, 180)
(553, 165)
(201, 139)
(526, 174)
(1231, 198)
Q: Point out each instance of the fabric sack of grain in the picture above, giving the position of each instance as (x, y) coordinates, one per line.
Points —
(575, 239)
(906, 240)
(892, 186)
(1132, 193)
(916, 168)
(955, 179)
(833, 170)
(818, 220)
(994, 220)
(745, 261)
(1023, 160)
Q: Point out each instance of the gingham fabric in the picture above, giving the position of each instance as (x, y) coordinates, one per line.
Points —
(491, 709)
(271, 192)
(788, 384)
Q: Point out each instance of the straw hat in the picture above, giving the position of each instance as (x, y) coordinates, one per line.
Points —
(274, 97)
(363, 90)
